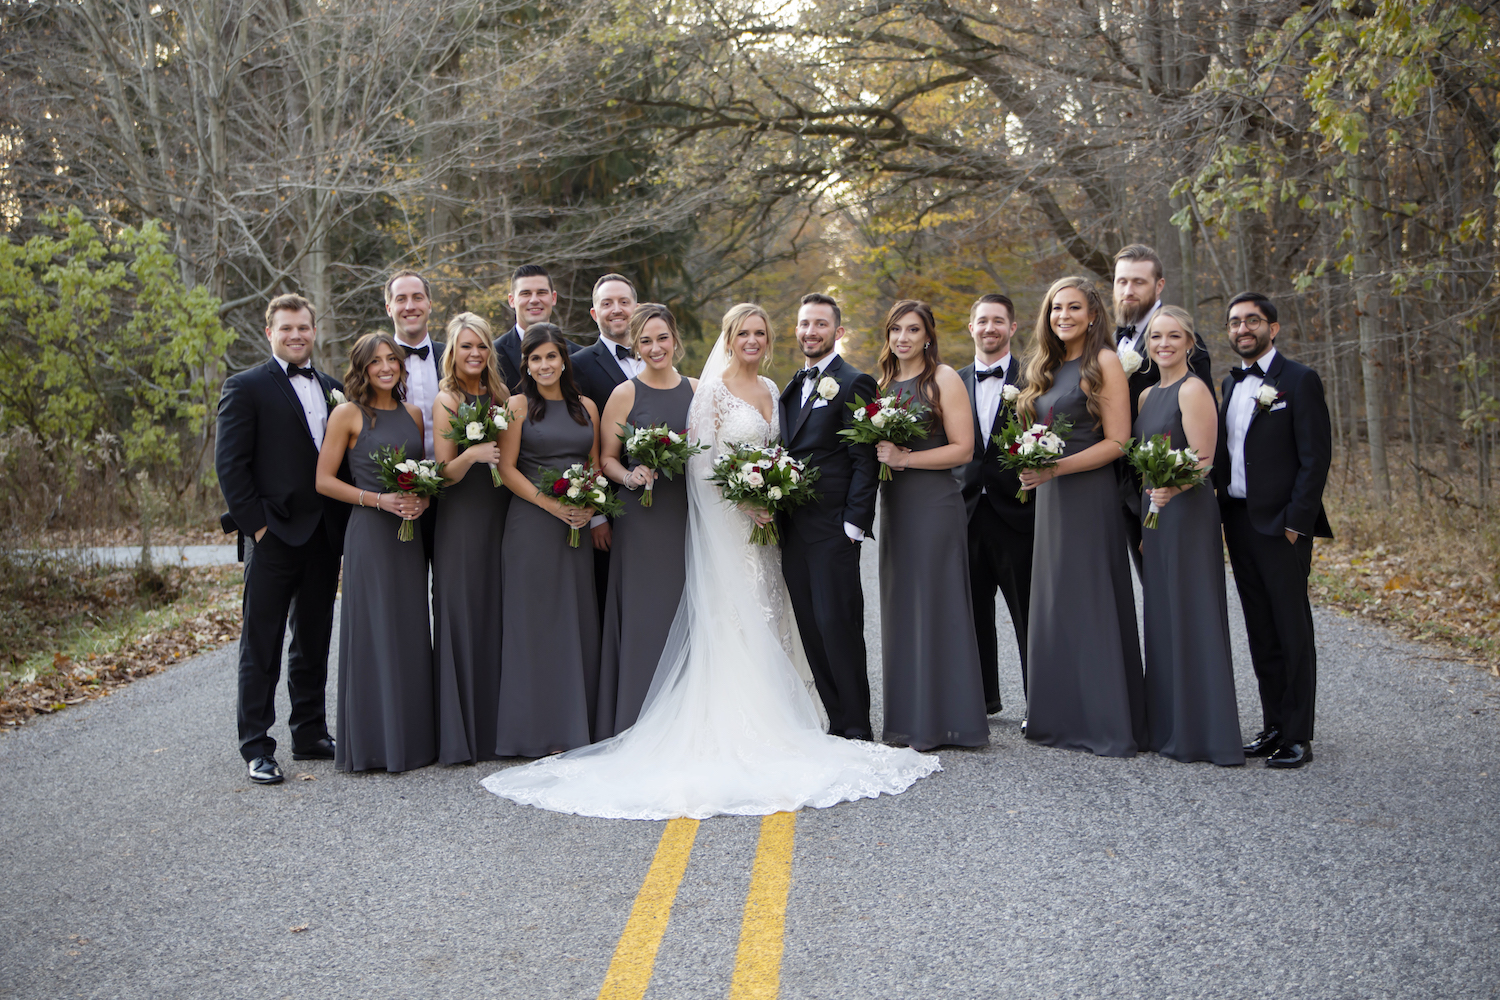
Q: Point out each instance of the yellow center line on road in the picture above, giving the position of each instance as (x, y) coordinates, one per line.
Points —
(757, 967)
(635, 956)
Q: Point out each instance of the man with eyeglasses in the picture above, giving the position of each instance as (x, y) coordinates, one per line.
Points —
(1274, 447)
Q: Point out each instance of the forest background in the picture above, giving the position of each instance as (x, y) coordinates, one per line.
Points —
(166, 167)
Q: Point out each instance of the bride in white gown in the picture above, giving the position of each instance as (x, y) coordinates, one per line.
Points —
(729, 726)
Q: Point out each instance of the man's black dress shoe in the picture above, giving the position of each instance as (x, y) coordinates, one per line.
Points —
(992, 707)
(321, 750)
(1267, 742)
(265, 771)
(1291, 755)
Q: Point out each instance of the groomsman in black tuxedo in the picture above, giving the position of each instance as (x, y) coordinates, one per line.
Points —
(820, 540)
(1139, 282)
(1001, 528)
(1275, 446)
(532, 298)
(408, 302)
(270, 428)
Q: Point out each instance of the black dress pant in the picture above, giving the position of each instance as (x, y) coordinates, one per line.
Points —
(284, 580)
(822, 579)
(999, 558)
(1271, 576)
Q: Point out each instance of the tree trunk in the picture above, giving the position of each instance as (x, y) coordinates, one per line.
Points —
(1363, 192)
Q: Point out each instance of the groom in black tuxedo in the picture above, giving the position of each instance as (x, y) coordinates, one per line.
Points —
(1001, 528)
(1275, 446)
(270, 427)
(820, 540)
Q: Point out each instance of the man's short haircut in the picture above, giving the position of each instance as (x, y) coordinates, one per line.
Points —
(819, 299)
(292, 302)
(1265, 305)
(407, 273)
(531, 271)
(612, 276)
(1140, 251)
(993, 299)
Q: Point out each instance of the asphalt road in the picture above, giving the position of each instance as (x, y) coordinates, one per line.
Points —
(138, 862)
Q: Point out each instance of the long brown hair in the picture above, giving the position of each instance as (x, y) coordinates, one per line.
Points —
(644, 313)
(1048, 351)
(890, 365)
(536, 404)
(357, 387)
(490, 383)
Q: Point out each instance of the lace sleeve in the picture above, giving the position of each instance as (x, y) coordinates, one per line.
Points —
(706, 420)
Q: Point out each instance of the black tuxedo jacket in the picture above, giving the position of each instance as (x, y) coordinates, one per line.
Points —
(849, 474)
(267, 462)
(999, 485)
(1199, 363)
(508, 345)
(596, 372)
(1288, 449)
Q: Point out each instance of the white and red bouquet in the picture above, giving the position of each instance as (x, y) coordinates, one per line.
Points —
(398, 474)
(766, 478)
(660, 449)
(1039, 446)
(1163, 467)
(897, 419)
(475, 423)
(579, 485)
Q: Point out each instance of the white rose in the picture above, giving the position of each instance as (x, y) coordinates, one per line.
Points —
(880, 419)
(338, 397)
(1265, 395)
(597, 496)
(407, 466)
(1028, 447)
(774, 493)
(600, 481)
(574, 492)
(1130, 361)
(755, 479)
(793, 475)
(1010, 394)
(674, 437)
(828, 387)
(474, 431)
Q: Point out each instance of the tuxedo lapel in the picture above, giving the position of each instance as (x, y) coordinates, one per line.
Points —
(1271, 377)
(971, 383)
(803, 412)
(284, 382)
(784, 404)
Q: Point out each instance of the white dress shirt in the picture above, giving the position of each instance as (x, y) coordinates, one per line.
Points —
(310, 394)
(422, 388)
(809, 386)
(1237, 417)
(989, 393)
(1138, 342)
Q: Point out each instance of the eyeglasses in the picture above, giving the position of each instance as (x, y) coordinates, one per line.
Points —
(1251, 323)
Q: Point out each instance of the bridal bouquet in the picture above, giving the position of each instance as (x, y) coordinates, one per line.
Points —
(474, 423)
(399, 474)
(767, 478)
(1036, 447)
(660, 449)
(896, 419)
(579, 485)
(1163, 467)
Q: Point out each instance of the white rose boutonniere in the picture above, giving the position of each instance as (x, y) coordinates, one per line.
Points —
(1010, 394)
(336, 398)
(1267, 396)
(1130, 361)
(828, 387)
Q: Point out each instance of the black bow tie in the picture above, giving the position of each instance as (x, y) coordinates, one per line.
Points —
(420, 352)
(996, 372)
(1124, 332)
(623, 353)
(1240, 374)
(292, 371)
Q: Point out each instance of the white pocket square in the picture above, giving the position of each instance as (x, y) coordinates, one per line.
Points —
(824, 402)
(1279, 406)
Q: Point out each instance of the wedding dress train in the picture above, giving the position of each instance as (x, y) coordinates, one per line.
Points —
(729, 725)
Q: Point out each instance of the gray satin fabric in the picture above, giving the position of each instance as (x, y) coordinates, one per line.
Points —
(646, 573)
(550, 644)
(1190, 703)
(466, 607)
(1084, 685)
(385, 711)
(934, 693)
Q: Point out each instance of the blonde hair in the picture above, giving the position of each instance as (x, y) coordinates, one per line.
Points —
(734, 321)
(1181, 315)
(645, 313)
(490, 382)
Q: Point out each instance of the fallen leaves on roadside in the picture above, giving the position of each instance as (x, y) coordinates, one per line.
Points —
(299, 928)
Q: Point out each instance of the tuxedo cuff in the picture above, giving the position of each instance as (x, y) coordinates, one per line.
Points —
(855, 533)
(597, 520)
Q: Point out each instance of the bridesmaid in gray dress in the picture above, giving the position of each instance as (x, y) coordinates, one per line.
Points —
(646, 561)
(466, 602)
(385, 709)
(1084, 686)
(1190, 703)
(934, 691)
(550, 649)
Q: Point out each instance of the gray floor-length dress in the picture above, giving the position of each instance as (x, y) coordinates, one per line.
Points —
(466, 609)
(934, 691)
(385, 710)
(646, 572)
(1190, 704)
(1084, 685)
(550, 648)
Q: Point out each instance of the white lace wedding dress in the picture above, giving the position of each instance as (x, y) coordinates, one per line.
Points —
(729, 726)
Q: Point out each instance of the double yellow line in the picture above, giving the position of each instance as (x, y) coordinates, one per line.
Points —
(757, 967)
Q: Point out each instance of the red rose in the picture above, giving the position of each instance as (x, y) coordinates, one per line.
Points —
(560, 487)
(1015, 448)
(405, 481)
(665, 440)
(872, 409)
